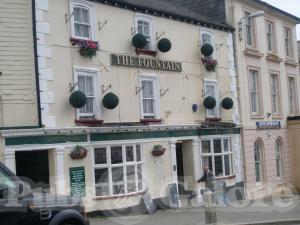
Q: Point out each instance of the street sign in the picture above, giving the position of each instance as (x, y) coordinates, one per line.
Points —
(263, 125)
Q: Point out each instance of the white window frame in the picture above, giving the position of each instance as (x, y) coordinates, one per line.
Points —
(148, 19)
(272, 35)
(109, 166)
(295, 102)
(278, 96)
(223, 153)
(278, 156)
(258, 92)
(216, 110)
(252, 30)
(261, 162)
(95, 74)
(90, 7)
(212, 39)
(153, 78)
(288, 48)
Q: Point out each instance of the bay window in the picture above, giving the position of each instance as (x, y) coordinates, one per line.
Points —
(218, 155)
(118, 170)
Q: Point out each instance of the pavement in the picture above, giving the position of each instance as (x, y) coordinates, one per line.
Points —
(279, 211)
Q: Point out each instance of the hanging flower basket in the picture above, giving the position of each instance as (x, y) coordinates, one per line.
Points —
(164, 45)
(210, 64)
(87, 48)
(110, 100)
(79, 152)
(209, 102)
(139, 41)
(227, 103)
(158, 150)
(207, 49)
(77, 99)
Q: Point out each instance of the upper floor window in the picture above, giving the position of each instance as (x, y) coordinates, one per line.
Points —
(207, 38)
(211, 89)
(149, 97)
(86, 82)
(218, 155)
(292, 95)
(254, 91)
(275, 97)
(81, 19)
(288, 42)
(270, 36)
(144, 26)
(250, 30)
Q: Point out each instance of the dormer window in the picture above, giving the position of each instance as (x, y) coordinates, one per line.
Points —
(81, 20)
(144, 26)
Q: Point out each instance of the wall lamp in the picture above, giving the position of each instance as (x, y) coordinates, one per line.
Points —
(250, 16)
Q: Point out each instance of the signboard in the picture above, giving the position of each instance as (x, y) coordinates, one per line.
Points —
(77, 182)
(145, 63)
(173, 196)
(262, 125)
(149, 204)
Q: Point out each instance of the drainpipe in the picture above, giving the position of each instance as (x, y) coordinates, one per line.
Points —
(36, 65)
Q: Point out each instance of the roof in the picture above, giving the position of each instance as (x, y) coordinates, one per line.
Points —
(169, 9)
(271, 7)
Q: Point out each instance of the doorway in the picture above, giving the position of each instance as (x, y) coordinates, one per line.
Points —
(180, 168)
(33, 167)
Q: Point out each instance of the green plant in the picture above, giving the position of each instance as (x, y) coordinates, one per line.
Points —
(77, 99)
(139, 41)
(164, 45)
(110, 101)
(207, 49)
(227, 103)
(209, 102)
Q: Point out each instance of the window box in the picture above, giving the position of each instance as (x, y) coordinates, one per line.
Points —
(210, 64)
(150, 121)
(140, 51)
(89, 123)
(88, 48)
(158, 150)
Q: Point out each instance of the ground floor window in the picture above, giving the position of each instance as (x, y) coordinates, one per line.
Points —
(118, 169)
(279, 166)
(258, 161)
(218, 155)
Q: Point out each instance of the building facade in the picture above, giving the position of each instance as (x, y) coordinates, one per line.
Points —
(268, 77)
(143, 125)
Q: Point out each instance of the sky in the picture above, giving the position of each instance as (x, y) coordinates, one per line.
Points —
(290, 6)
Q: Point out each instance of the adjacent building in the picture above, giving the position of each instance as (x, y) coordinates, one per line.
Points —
(152, 114)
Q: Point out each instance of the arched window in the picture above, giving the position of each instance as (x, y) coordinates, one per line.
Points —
(279, 163)
(258, 161)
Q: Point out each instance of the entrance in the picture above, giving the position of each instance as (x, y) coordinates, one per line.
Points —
(180, 172)
(33, 167)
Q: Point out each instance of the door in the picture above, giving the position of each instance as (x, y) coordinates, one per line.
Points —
(10, 208)
(180, 172)
(33, 168)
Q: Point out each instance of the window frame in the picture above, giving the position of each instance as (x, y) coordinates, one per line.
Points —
(156, 90)
(217, 97)
(90, 7)
(259, 96)
(278, 90)
(212, 39)
(259, 143)
(212, 154)
(292, 56)
(274, 39)
(281, 161)
(148, 19)
(253, 33)
(95, 74)
(295, 95)
(108, 165)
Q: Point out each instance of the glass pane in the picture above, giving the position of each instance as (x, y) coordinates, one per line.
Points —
(218, 166)
(77, 30)
(226, 145)
(85, 16)
(81, 83)
(101, 176)
(206, 147)
(206, 38)
(102, 191)
(138, 153)
(130, 170)
(89, 86)
(117, 174)
(257, 171)
(227, 165)
(129, 154)
(278, 167)
(100, 156)
(77, 14)
(85, 31)
(148, 106)
(116, 155)
(118, 189)
(217, 146)
(207, 160)
(140, 177)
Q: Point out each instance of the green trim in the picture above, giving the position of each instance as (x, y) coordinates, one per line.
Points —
(59, 139)
(19, 128)
(51, 139)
